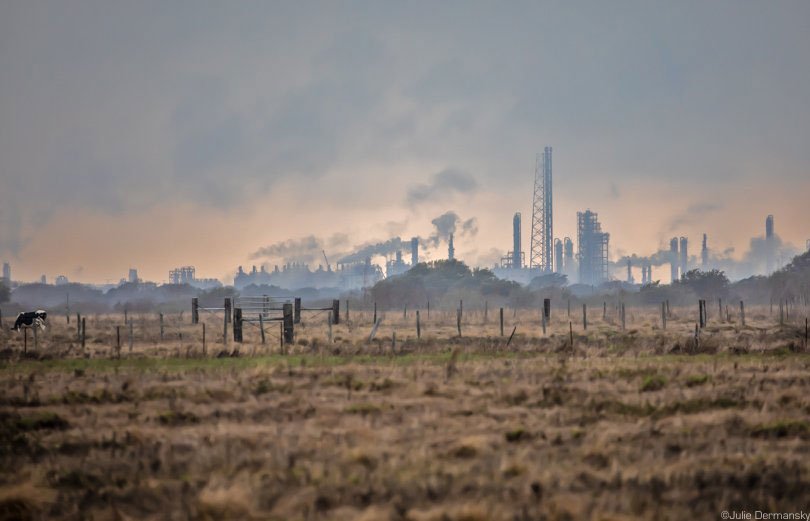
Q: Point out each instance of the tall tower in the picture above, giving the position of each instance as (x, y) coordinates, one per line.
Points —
(673, 259)
(414, 251)
(684, 256)
(542, 226)
(704, 253)
(451, 251)
(769, 243)
(516, 261)
(558, 255)
(7, 273)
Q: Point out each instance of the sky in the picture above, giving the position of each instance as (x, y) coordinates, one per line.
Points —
(158, 134)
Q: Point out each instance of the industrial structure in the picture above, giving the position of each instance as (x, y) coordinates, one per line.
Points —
(684, 256)
(558, 256)
(7, 273)
(593, 249)
(673, 259)
(540, 255)
(414, 251)
(514, 259)
(704, 254)
(133, 276)
(769, 244)
(451, 251)
(185, 275)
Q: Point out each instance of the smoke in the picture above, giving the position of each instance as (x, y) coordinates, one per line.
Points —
(302, 250)
(753, 262)
(442, 185)
(447, 223)
(694, 214)
(367, 250)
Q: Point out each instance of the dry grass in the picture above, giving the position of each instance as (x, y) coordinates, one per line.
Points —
(636, 424)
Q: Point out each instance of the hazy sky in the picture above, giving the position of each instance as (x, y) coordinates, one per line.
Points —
(157, 134)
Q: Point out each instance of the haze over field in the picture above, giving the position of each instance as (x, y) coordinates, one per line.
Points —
(154, 135)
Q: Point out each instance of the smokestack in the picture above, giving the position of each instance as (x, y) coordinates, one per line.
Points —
(451, 251)
(684, 256)
(704, 253)
(414, 251)
(629, 272)
(516, 262)
(673, 260)
(769, 243)
(558, 255)
(568, 248)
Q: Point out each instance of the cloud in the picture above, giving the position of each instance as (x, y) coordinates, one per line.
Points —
(442, 186)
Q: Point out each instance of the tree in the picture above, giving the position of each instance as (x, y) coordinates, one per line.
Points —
(706, 284)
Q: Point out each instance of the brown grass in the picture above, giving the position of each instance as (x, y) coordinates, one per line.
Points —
(630, 424)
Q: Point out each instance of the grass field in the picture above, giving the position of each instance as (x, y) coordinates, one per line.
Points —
(643, 423)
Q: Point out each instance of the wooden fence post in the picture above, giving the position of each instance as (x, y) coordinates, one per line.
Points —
(702, 313)
(84, 332)
(237, 325)
(624, 316)
(569, 308)
(418, 327)
(36, 338)
(547, 309)
(742, 313)
(604, 310)
(458, 321)
(161, 327)
(428, 309)
(261, 327)
(584, 317)
(347, 310)
(501, 316)
(118, 340)
(486, 310)
(336, 311)
(227, 305)
(297, 310)
(126, 320)
(289, 332)
(375, 313)
(195, 310)
(405, 312)
(329, 325)
(78, 327)
(663, 315)
(130, 334)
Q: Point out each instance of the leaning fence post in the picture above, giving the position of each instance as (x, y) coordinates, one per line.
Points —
(336, 311)
(501, 317)
(297, 310)
(195, 310)
(289, 333)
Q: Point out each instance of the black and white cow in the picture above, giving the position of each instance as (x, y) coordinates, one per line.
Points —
(28, 319)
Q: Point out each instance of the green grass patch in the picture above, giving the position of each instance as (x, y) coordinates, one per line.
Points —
(696, 380)
(653, 383)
